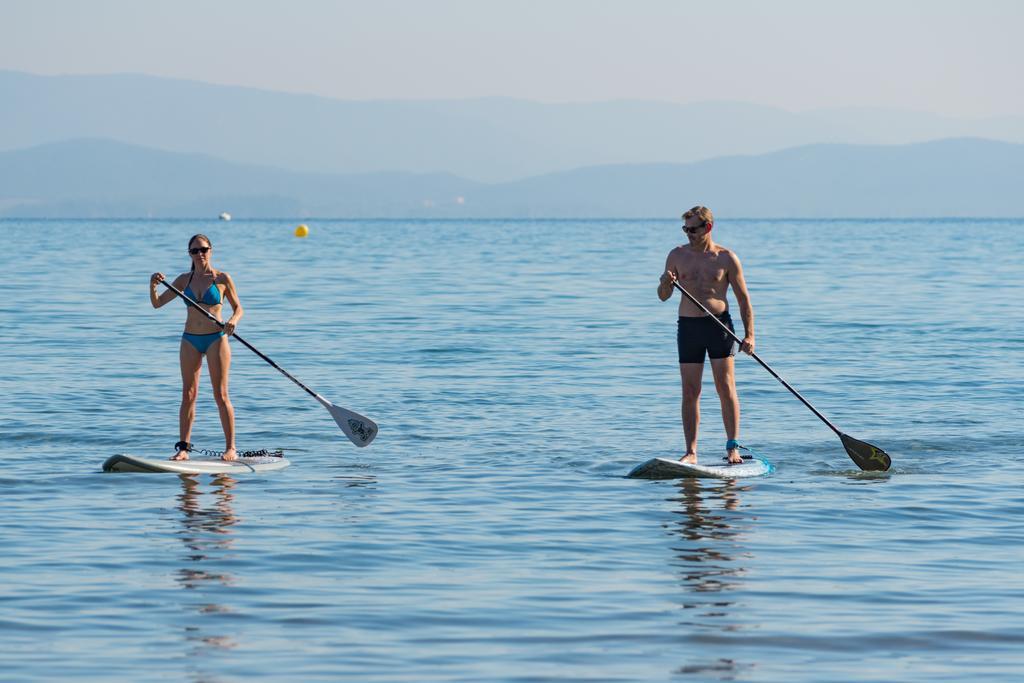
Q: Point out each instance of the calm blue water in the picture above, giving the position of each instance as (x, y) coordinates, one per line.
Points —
(517, 371)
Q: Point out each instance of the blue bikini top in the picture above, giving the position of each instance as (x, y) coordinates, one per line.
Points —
(211, 297)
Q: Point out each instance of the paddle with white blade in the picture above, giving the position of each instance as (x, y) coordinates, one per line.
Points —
(863, 454)
(359, 429)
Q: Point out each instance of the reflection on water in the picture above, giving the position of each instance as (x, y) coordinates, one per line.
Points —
(206, 521)
(711, 559)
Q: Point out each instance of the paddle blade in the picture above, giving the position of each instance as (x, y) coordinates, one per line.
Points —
(359, 429)
(866, 456)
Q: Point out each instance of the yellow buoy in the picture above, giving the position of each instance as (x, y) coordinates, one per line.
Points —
(302, 231)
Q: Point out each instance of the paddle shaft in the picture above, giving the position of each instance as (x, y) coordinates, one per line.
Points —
(758, 359)
(249, 346)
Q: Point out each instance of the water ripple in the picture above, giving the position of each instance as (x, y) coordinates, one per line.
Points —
(518, 370)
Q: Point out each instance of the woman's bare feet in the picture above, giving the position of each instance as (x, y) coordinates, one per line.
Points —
(689, 459)
(180, 455)
(230, 454)
(734, 457)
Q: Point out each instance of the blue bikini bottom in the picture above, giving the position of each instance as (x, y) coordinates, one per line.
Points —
(202, 342)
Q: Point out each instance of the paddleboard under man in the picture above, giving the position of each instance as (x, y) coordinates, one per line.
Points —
(706, 270)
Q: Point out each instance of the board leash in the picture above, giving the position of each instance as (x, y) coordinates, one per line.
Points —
(261, 453)
(745, 456)
(752, 452)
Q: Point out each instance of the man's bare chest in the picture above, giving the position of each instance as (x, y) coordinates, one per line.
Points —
(701, 270)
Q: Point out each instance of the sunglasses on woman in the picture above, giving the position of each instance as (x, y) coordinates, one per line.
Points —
(199, 250)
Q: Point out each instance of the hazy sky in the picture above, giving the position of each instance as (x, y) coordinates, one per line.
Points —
(959, 58)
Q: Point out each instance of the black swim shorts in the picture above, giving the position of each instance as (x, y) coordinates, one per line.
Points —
(697, 336)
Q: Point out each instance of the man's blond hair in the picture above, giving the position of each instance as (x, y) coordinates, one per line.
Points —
(701, 212)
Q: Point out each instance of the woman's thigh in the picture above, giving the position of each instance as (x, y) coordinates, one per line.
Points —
(218, 360)
(191, 365)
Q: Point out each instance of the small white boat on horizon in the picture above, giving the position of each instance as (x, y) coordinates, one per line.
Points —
(225, 216)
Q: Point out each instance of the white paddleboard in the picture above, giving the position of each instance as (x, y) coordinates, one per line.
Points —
(666, 468)
(133, 463)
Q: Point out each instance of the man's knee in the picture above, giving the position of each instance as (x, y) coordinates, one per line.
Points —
(726, 390)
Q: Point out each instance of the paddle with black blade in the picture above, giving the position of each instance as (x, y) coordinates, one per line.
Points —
(863, 454)
(360, 430)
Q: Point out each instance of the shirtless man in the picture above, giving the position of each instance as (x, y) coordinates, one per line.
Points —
(705, 270)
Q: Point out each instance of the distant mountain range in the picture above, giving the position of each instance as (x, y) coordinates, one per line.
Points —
(106, 178)
(485, 140)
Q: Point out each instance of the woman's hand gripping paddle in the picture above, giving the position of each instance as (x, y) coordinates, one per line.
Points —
(359, 429)
(863, 454)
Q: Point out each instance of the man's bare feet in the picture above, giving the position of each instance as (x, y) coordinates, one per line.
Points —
(734, 457)
(180, 455)
(689, 459)
(230, 454)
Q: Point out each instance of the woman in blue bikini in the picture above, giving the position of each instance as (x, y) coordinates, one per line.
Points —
(203, 337)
